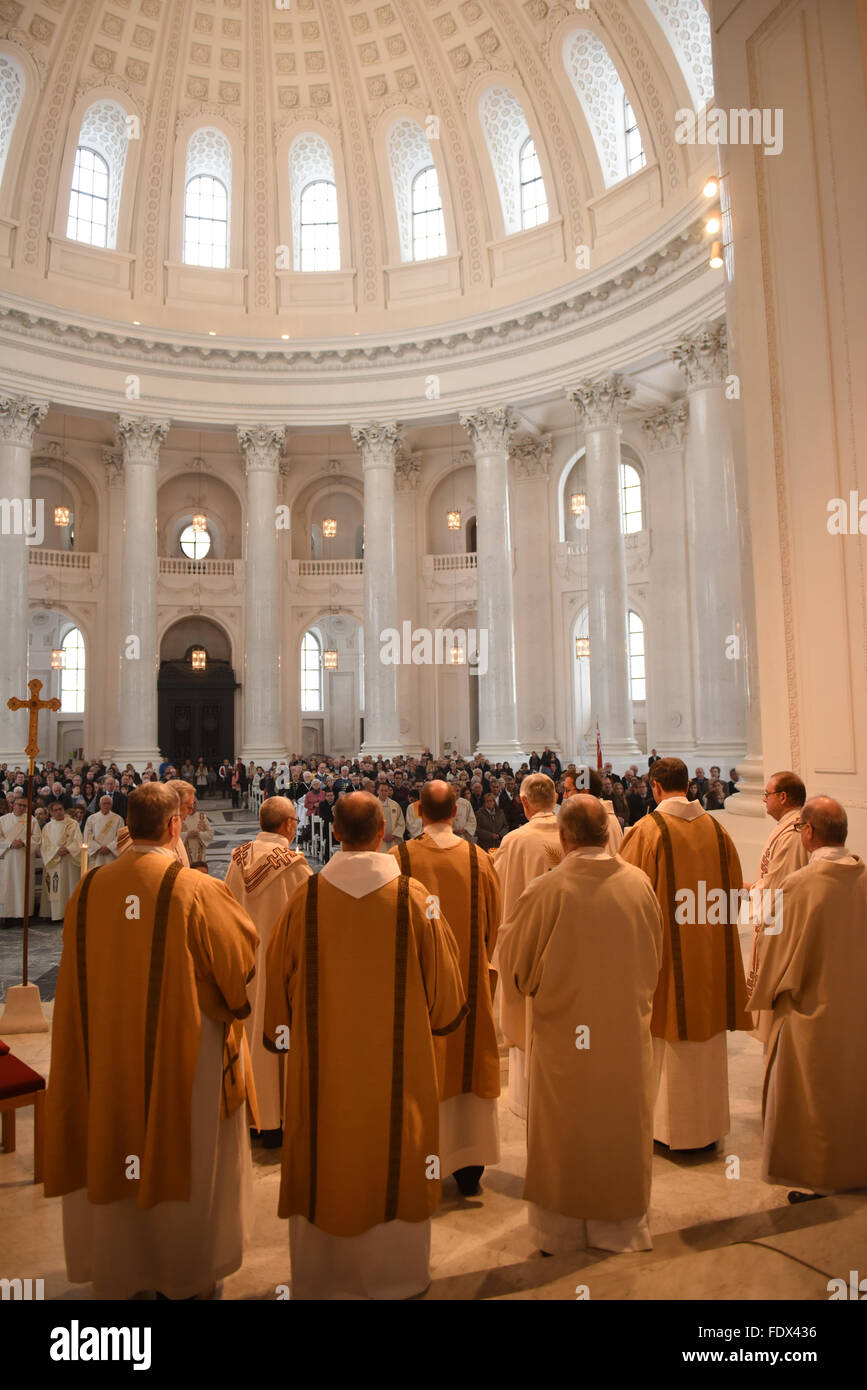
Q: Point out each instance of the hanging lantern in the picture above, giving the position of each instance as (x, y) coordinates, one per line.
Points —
(61, 516)
(453, 521)
(329, 528)
(578, 503)
(329, 660)
(57, 659)
(582, 646)
(458, 656)
(200, 659)
(200, 522)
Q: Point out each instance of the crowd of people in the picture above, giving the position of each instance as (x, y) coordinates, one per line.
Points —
(362, 1001)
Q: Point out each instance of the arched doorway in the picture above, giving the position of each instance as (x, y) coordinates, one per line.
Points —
(196, 703)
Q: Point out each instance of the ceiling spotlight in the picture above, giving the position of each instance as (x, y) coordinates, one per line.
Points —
(136, 323)
(716, 256)
(453, 521)
(582, 646)
(200, 659)
(212, 332)
(61, 516)
(329, 528)
(329, 660)
(712, 225)
(711, 188)
(284, 336)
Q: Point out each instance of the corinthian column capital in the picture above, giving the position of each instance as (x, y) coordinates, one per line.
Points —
(262, 446)
(490, 429)
(141, 438)
(20, 417)
(703, 356)
(379, 442)
(665, 427)
(531, 457)
(600, 402)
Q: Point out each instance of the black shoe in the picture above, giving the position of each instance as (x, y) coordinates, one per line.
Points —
(795, 1198)
(271, 1138)
(467, 1180)
(546, 1254)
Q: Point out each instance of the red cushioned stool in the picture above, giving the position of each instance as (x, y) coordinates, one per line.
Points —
(21, 1085)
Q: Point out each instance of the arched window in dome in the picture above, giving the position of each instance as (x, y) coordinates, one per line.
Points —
(72, 675)
(428, 227)
(418, 202)
(602, 96)
(11, 94)
(97, 177)
(508, 137)
(686, 25)
(631, 500)
(311, 672)
(207, 198)
(637, 670)
(635, 158)
(534, 203)
(316, 231)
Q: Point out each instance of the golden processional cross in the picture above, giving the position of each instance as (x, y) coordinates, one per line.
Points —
(34, 705)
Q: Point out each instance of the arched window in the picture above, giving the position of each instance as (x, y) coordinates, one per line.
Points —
(207, 199)
(97, 177)
(72, 675)
(195, 544)
(632, 135)
(602, 96)
(686, 25)
(311, 673)
(534, 203)
(11, 93)
(513, 155)
(320, 242)
(637, 679)
(420, 220)
(428, 227)
(314, 203)
(631, 500)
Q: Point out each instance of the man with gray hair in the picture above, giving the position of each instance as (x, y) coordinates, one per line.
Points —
(525, 853)
(585, 943)
(262, 876)
(813, 976)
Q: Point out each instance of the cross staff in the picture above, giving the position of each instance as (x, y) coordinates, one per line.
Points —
(34, 705)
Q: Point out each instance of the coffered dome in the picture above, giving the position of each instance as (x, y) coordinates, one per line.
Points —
(315, 169)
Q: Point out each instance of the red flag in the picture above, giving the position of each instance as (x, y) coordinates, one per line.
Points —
(598, 748)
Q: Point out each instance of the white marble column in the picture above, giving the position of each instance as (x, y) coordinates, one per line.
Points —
(410, 678)
(600, 405)
(490, 432)
(140, 439)
(22, 524)
(379, 444)
(534, 627)
(715, 552)
(264, 738)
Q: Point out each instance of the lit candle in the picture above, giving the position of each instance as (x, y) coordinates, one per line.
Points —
(83, 860)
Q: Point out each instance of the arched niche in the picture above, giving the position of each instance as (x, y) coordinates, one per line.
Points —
(454, 492)
(181, 496)
(196, 708)
(60, 484)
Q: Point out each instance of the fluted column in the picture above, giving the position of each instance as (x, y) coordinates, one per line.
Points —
(140, 439)
(600, 406)
(379, 444)
(263, 738)
(715, 551)
(490, 431)
(22, 524)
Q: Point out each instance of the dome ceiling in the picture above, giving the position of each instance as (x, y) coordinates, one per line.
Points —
(258, 96)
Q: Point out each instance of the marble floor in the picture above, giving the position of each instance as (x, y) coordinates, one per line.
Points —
(719, 1232)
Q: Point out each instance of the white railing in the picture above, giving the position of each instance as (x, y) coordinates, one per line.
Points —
(177, 565)
(465, 561)
(60, 559)
(309, 567)
(255, 797)
(633, 540)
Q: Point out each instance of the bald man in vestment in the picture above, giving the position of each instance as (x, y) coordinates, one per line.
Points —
(695, 871)
(462, 879)
(186, 794)
(782, 855)
(263, 875)
(102, 830)
(525, 853)
(145, 1130)
(813, 976)
(585, 943)
(361, 977)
